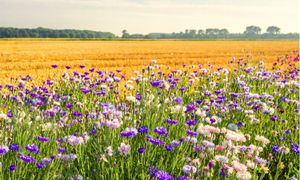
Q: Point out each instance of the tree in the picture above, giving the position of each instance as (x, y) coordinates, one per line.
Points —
(200, 32)
(224, 32)
(192, 33)
(125, 34)
(273, 30)
(252, 30)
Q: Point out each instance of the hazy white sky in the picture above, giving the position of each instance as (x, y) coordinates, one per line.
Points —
(144, 16)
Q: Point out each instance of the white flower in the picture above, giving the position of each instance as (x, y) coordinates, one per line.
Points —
(109, 151)
(3, 116)
(131, 98)
(189, 169)
(222, 159)
(235, 136)
(250, 164)
(262, 139)
(243, 175)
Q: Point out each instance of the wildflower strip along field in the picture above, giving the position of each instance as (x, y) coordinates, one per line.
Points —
(188, 123)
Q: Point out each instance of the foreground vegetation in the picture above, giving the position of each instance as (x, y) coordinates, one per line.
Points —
(196, 122)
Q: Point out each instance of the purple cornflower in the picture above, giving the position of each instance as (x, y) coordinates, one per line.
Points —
(239, 124)
(276, 149)
(27, 159)
(191, 122)
(9, 114)
(190, 107)
(175, 143)
(171, 121)
(32, 148)
(296, 148)
(85, 90)
(61, 150)
(69, 106)
(54, 66)
(138, 97)
(152, 170)
(81, 66)
(260, 160)
(162, 175)
(178, 100)
(68, 67)
(43, 139)
(12, 167)
(274, 117)
(3, 149)
(15, 147)
(156, 141)
(199, 101)
(234, 95)
(143, 129)
(191, 132)
(169, 147)
(46, 161)
(141, 150)
(155, 83)
(161, 131)
(210, 164)
(129, 132)
(76, 113)
(40, 165)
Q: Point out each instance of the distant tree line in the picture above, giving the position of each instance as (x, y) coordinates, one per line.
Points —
(251, 32)
(7, 32)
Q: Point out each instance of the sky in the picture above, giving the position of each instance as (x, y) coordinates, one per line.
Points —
(145, 16)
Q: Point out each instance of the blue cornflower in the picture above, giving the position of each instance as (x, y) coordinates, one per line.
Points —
(12, 167)
(155, 83)
(172, 121)
(27, 159)
(296, 148)
(32, 148)
(162, 175)
(156, 141)
(143, 129)
(276, 149)
(15, 147)
(46, 160)
(191, 132)
(161, 131)
(169, 147)
(40, 165)
(43, 139)
(178, 100)
(128, 132)
(3, 149)
(191, 122)
(141, 150)
(190, 107)
(239, 124)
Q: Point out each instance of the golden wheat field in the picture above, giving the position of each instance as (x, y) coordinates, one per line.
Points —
(34, 57)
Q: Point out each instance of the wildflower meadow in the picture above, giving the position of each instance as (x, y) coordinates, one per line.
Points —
(191, 122)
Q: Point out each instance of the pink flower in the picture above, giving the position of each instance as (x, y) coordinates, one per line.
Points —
(220, 148)
(241, 168)
(124, 149)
